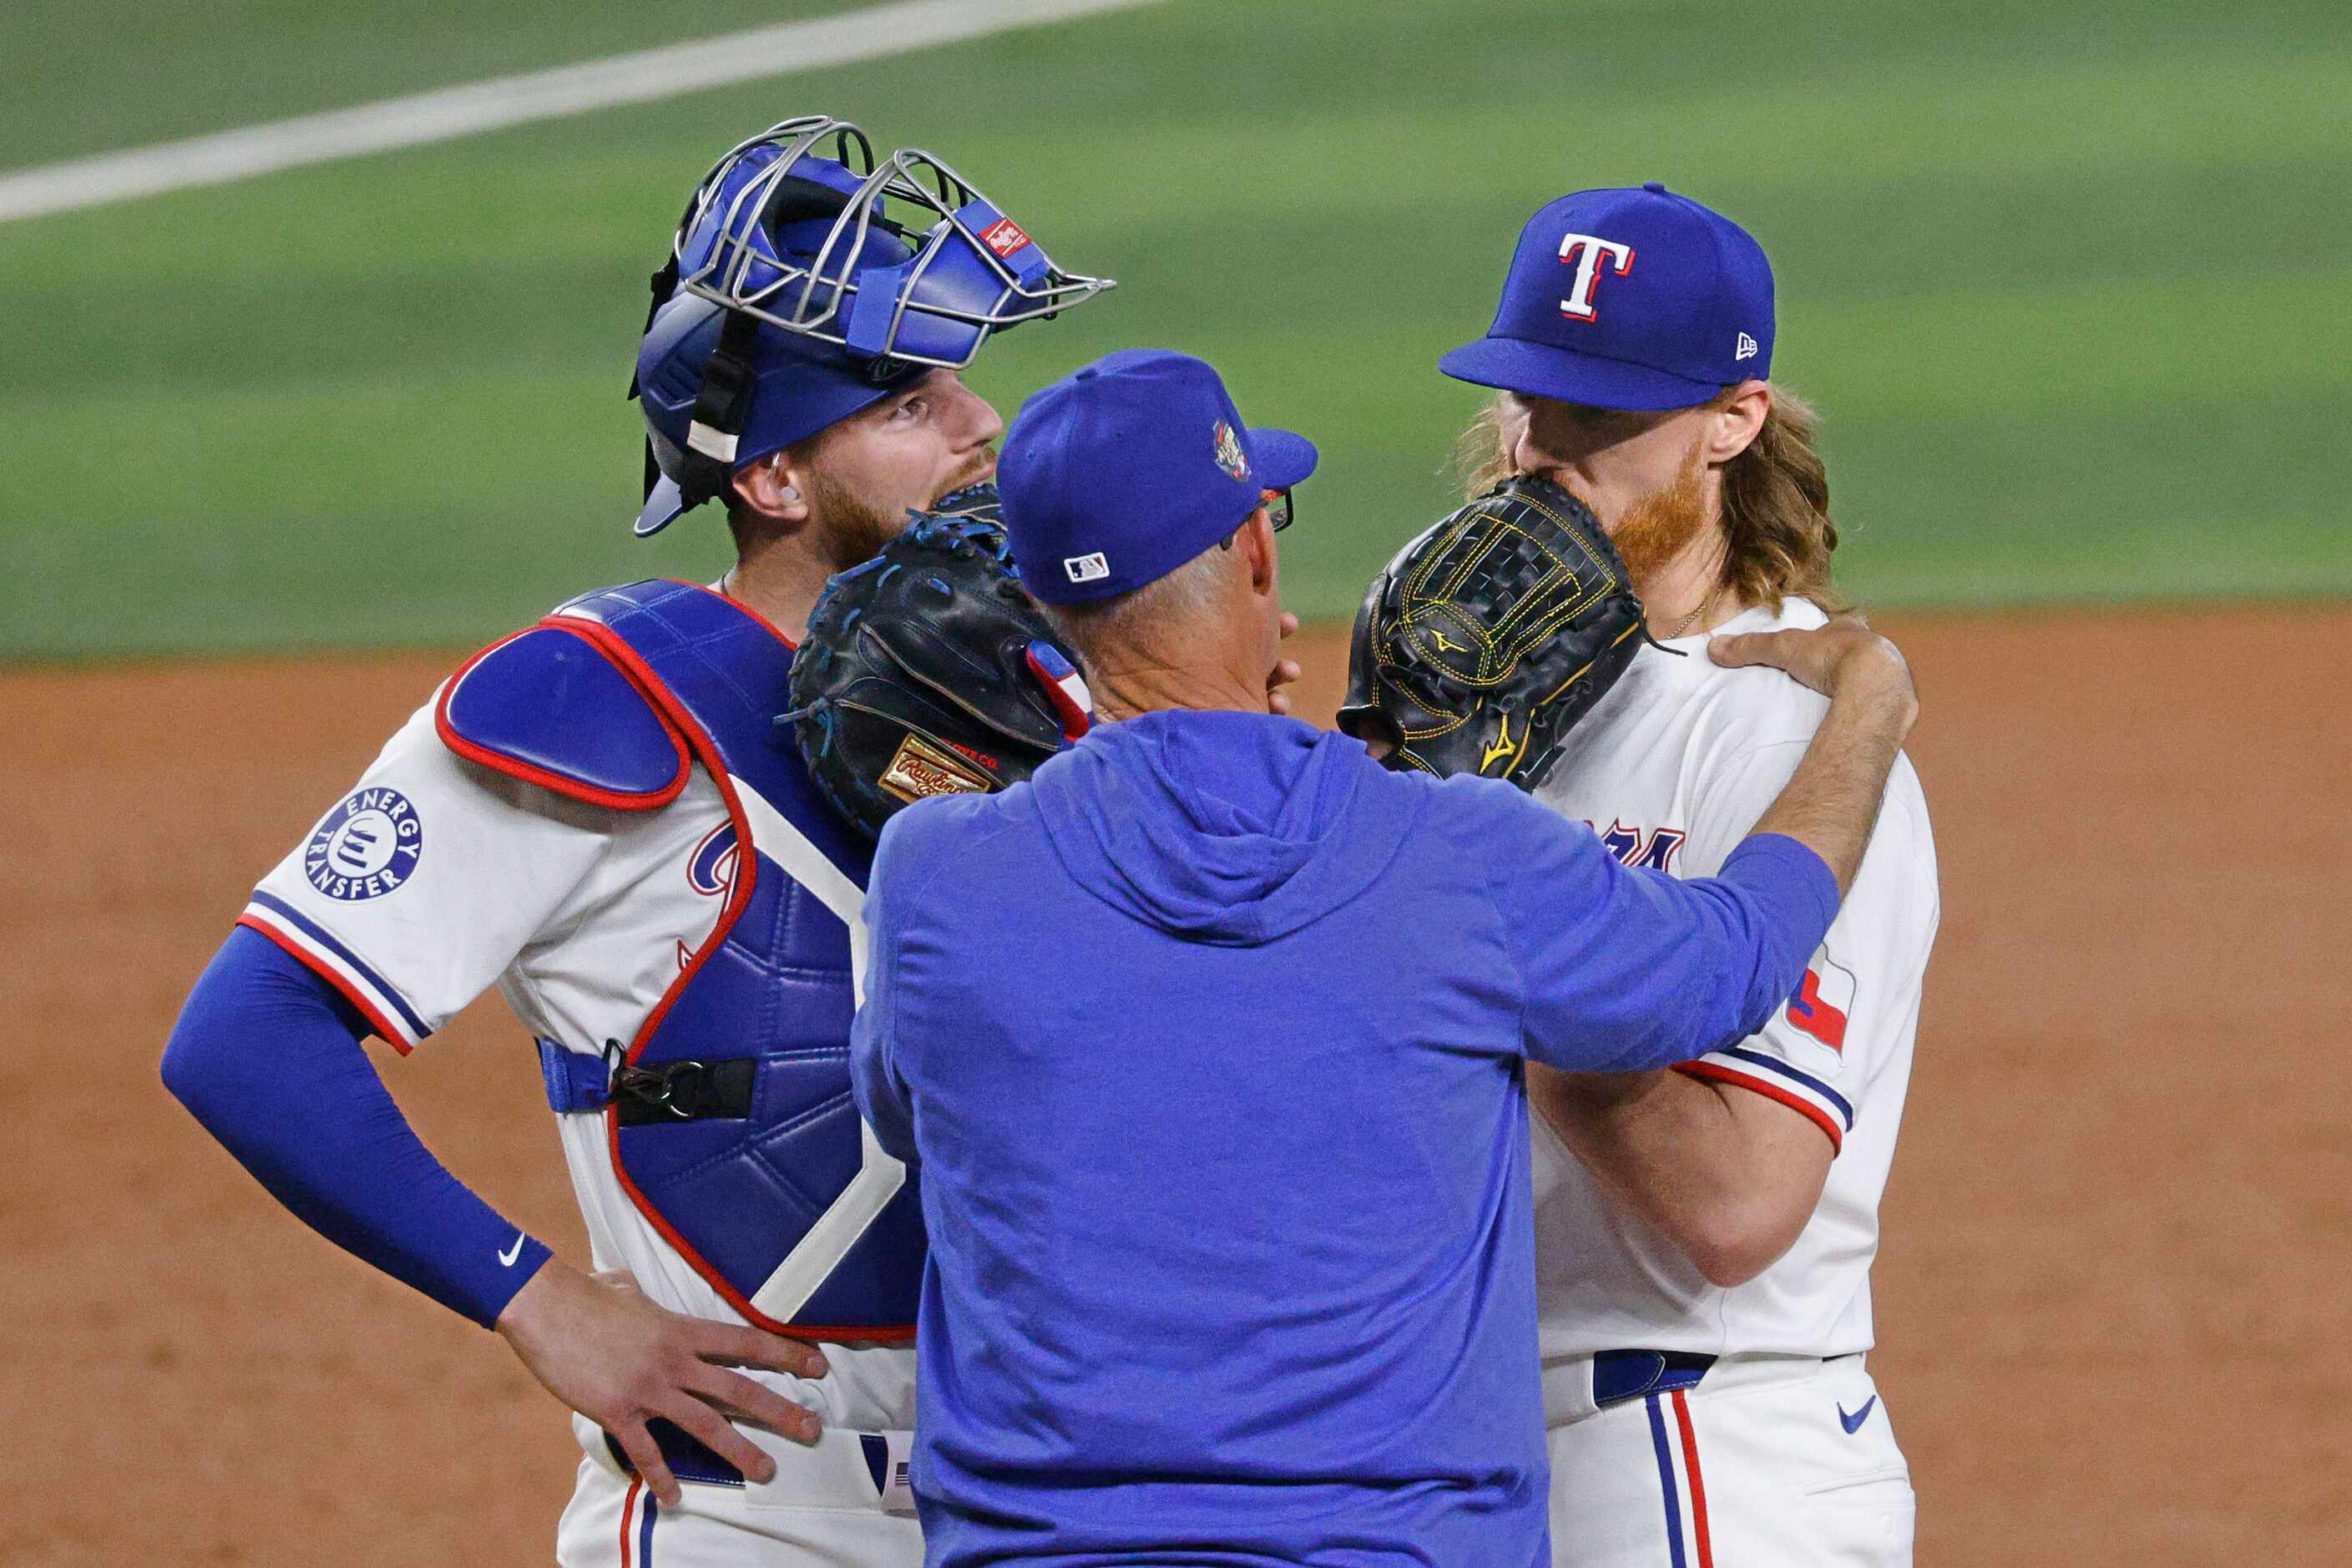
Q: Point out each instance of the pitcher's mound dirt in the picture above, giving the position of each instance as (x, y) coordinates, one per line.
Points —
(2110, 1313)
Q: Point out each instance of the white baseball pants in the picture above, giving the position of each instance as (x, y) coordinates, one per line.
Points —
(1770, 1462)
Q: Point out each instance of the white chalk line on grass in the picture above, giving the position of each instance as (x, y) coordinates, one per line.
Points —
(447, 113)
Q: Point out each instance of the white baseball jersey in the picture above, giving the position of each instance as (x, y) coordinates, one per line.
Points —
(436, 877)
(1672, 767)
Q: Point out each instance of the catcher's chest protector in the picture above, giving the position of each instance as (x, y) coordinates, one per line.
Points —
(792, 1213)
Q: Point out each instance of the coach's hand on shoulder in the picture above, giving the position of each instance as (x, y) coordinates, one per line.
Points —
(1843, 657)
(605, 1349)
(1832, 801)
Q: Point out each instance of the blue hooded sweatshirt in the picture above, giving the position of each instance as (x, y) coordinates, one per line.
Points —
(1208, 1043)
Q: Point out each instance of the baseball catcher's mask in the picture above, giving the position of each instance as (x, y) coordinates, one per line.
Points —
(806, 281)
(1489, 635)
(929, 671)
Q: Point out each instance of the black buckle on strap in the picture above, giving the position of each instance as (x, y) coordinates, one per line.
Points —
(683, 1091)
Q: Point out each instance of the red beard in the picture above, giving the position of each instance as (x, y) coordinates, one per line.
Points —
(1661, 525)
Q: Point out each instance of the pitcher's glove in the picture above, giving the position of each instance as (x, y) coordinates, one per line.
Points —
(929, 671)
(1491, 634)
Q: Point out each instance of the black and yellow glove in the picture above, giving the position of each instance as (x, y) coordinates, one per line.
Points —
(1489, 635)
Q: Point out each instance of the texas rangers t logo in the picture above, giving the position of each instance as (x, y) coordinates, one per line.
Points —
(1588, 251)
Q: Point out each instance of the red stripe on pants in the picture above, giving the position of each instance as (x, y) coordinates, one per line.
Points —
(1690, 1468)
(628, 1507)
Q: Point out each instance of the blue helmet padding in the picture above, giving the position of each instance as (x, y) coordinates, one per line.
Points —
(791, 222)
(952, 295)
(800, 386)
(801, 291)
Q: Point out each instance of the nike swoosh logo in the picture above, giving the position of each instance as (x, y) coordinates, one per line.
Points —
(1852, 1423)
(507, 1259)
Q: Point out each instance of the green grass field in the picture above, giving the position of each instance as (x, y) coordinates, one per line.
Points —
(2073, 290)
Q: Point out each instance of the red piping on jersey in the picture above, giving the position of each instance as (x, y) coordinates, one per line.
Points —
(513, 767)
(628, 1505)
(1697, 1487)
(747, 873)
(1820, 1118)
(326, 971)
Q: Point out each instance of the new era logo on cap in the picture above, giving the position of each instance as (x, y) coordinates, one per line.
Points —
(1089, 568)
(1746, 349)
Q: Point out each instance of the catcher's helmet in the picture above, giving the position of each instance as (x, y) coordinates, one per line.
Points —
(806, 282)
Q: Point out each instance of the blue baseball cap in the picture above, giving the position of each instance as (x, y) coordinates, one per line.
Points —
(1128, 468)
(1627, 299)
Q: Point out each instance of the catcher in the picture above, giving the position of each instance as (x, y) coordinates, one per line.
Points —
(1704, 1234)
(600, 814)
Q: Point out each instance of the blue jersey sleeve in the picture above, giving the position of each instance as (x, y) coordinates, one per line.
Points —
(1626, 969)
(267, 1057)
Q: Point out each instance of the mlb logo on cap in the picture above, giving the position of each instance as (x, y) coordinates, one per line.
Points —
(1627, 299)
(1128, 468)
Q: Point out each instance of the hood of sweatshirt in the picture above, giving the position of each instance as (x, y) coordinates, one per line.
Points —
(1223, 827)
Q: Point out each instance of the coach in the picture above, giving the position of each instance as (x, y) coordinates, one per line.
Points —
(1209, 1040)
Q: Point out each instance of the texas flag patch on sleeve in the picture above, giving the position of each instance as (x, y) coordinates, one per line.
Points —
(1823, 1001)
(1799, 1060)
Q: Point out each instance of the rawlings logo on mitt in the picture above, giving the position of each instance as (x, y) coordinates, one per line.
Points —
(1491, 634)
(929, 671)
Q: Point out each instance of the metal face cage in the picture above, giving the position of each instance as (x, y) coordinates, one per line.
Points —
(957, 268)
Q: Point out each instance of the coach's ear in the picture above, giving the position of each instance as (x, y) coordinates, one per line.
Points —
(774, 487)
(1257, 542)
(1735, 419)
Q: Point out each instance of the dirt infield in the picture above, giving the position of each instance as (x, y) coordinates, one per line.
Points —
(2109, 1308)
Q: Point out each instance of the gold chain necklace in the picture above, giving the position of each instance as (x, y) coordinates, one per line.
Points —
(1693, 616)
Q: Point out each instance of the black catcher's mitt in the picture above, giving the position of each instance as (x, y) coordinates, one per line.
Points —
(1491, 634)
(929, 671)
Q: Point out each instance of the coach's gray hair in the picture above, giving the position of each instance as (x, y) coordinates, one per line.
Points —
(1165, 606)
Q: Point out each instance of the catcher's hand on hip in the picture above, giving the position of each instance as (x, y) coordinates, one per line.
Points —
(599, 1344)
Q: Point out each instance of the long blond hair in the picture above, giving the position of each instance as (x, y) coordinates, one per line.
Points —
(1778, 534)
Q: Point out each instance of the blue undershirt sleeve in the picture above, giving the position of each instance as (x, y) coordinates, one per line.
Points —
(267, 1057)
(1629, 969)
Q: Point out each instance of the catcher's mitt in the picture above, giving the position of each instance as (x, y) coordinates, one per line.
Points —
(1489, 635)
(929, 671)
